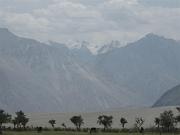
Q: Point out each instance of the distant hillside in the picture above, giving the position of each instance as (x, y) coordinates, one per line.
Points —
(36, 77)
(146, 68)
(169, 98)
(39, 77)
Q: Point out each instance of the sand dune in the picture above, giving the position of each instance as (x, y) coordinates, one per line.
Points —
(90, 119)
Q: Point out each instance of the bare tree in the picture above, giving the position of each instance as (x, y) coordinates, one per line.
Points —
(139, 123)
(52, 122)
(123, 122)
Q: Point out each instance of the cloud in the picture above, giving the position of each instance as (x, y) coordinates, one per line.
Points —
(93, 20)
(22, 6)
(26, 20)
(161, 3)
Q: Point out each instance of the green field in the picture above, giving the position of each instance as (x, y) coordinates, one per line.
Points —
(76, 133)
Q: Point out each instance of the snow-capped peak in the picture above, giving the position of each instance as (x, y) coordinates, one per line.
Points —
(110, 46)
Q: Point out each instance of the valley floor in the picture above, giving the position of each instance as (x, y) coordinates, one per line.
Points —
(90, 119)
(77, 133)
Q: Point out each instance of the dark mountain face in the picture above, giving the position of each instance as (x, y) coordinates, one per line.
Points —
(169, 98)
(37, 77)
(146, 68)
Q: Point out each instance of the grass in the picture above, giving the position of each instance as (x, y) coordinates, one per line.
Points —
(75, 133)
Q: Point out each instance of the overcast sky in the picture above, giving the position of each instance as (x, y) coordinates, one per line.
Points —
(96, 21)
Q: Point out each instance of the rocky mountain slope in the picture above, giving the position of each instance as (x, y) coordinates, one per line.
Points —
(39, 77)
(146, 68)
(171, 97)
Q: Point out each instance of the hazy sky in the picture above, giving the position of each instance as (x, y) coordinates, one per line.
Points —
(96, 21)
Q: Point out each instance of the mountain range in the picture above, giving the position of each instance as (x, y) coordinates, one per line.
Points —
(169, 98)
(40, 77)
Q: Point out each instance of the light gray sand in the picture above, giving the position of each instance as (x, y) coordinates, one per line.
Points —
(90, 119)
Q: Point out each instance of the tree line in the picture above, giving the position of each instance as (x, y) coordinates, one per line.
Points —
(166, 121)
(19, 121)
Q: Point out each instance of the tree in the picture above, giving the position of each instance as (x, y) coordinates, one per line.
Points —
(77, 121)
(14, 122)
(21, 119)
(167, 120)
(106, 121)
(139, 123)
(52, 122)
(123, 122)
(63, 125)
(4, 118)
(24, 122)
(157, 122)
(178, 117)
(178, 108)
